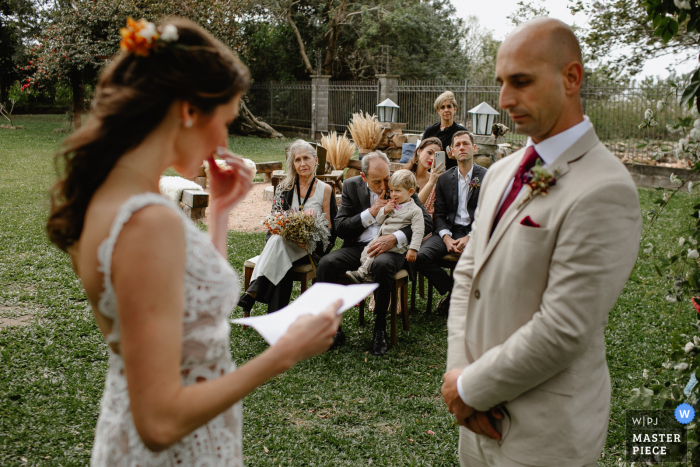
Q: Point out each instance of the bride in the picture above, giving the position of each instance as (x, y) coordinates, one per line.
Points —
(161, 289)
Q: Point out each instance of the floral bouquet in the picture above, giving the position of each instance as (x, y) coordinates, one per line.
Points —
(305, 228)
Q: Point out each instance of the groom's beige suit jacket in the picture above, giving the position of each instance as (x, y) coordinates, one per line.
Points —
(530, 305)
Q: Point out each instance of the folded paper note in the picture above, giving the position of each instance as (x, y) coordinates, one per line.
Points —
(314, 301)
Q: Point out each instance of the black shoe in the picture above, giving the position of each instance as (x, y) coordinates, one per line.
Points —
(379, 345)
(443, 307)
(246, 302)
(338, 340)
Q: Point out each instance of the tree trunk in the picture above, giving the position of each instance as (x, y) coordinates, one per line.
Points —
(3, 91)
(76, 84)
(247, 124)
(332, 37)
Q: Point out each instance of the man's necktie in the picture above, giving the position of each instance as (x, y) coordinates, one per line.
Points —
(528, 162)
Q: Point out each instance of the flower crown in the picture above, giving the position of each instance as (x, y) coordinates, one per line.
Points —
(140, 37)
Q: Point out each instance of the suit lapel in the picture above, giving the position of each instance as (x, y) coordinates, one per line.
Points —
(476, 173)
(363, 195)
(490, 203)
(454, 184)
(560, 165)
(289, 198)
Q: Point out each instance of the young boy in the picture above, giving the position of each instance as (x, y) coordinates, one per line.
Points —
(398, 213)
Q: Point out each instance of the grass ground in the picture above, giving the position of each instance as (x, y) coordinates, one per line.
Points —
(342, 408)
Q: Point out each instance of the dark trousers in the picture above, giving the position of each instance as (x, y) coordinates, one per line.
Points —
(333, 266)
(431, 251)
(276, 296)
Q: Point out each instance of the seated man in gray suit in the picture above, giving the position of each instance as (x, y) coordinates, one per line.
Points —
(456, 196)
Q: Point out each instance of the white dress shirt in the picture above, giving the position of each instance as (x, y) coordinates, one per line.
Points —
(372, 227)
(462, 216)
(549, 150)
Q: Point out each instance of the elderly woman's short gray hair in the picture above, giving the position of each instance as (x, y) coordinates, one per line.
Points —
(297, 147)
(445, 96)
(372, 156)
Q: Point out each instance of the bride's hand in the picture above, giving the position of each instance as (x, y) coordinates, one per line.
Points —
(230, 185)
(310, 335)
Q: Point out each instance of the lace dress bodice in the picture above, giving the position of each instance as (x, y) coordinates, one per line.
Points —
(210, 293)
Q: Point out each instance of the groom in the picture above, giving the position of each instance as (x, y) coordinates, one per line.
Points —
(527, 378)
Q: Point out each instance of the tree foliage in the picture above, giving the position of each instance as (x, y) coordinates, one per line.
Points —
(18, 20)
(526, 11)
(349, 39)
(480, 50)
(78, 37)
(633, 35)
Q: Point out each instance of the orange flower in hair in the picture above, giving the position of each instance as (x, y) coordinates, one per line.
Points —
(138, 37)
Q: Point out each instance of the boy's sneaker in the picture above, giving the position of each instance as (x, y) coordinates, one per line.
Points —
(355, 276)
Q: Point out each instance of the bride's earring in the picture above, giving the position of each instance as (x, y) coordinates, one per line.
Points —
(188, 124)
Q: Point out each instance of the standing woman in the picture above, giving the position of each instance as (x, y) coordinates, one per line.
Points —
(272, 276)
(160, 289)
(421, 164)
(446, 107)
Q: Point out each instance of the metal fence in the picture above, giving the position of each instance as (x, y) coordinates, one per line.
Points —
(286, 106)
(348, 97)
(615, 111)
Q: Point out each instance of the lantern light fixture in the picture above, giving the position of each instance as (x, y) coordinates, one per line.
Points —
(482, 118)
(387, 111)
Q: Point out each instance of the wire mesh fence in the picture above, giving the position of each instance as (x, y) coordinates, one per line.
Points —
(348, 97)
(615, 111)
(286, 106)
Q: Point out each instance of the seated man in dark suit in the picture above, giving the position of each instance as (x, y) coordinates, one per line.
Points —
(456, 196)
(355, 223)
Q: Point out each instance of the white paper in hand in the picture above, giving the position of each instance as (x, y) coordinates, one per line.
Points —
(314, 301)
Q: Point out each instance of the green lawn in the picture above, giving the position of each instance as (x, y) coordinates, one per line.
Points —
(345, 407)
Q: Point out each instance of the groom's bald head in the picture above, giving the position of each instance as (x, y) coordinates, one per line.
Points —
(540, 68)
(547, 38)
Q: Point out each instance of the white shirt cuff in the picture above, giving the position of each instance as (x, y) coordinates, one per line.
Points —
(459, 390)
(400, 239)
(444, 232)
(367, 218)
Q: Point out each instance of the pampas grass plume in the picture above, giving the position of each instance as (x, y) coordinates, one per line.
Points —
(339, 149)
(366, 130)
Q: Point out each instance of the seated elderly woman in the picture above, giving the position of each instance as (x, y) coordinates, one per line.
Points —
(272, 276)
(446, 106)
(422, 164)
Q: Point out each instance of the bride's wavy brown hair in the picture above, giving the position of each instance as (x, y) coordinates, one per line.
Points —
(132, 97)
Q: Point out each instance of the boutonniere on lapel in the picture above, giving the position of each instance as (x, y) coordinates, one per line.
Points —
(474, 184)
(538, 180)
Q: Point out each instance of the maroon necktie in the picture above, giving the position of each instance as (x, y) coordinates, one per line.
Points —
(528, 162)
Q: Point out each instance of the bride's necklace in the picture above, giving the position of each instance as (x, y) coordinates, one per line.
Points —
(308, 192)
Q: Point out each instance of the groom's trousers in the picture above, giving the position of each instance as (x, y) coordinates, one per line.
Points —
(480, 451)
(333, 266)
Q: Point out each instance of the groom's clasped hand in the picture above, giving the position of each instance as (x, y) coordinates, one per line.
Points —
(480, 423)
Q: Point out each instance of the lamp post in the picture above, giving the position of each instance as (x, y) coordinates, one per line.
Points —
(482, 118)
(387, 111)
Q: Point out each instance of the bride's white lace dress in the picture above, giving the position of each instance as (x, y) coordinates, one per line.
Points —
(210, 293)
